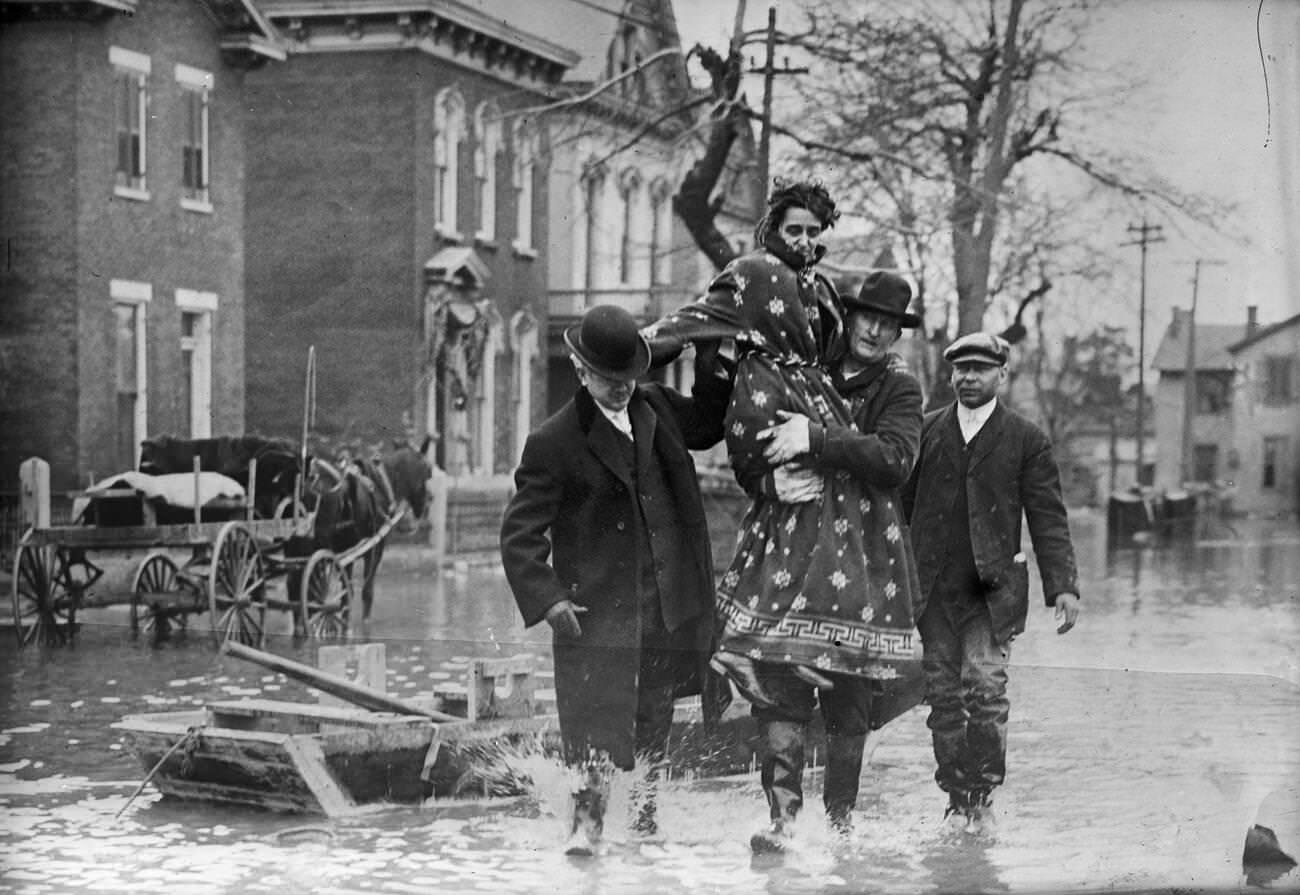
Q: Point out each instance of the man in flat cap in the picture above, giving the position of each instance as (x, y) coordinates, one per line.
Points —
(981, 467)
(606, 540)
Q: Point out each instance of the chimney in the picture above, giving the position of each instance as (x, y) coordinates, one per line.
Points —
(1176, 325)
(1252, 320)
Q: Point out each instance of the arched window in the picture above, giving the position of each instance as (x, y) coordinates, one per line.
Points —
(593, 187)
(629, 187)
(522, 173)
(449, 124)
(487, 145)
(661, 230)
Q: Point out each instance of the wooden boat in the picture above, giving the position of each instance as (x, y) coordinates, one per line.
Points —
(284, 756)
(343, 760)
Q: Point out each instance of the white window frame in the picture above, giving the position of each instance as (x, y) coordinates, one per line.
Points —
(487, 134)
(204, 305)
(130, 292)
(522, 173)
(449, 127)
(138, 67)
(194, 81)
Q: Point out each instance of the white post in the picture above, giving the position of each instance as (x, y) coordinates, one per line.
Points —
(34, 479)
(439, 485)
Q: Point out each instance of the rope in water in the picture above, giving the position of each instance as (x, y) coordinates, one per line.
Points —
(190, 741)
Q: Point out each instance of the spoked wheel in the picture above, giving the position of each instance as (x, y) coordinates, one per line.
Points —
(237, 587)
(160, 598)
(326, 597)
(45, 603)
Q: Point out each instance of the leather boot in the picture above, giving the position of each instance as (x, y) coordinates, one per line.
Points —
(782, 778)
(843, 776)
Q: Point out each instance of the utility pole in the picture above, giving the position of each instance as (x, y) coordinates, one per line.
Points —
(1189, 377)
(769, 71)
(1147, 233)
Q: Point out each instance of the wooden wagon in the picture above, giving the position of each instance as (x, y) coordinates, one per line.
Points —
(214, 553)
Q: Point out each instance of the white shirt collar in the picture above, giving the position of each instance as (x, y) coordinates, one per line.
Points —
(619, 418)
(972, 420)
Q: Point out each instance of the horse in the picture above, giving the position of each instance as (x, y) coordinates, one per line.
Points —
(353, 502)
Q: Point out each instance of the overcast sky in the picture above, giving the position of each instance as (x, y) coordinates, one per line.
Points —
(1207, 119)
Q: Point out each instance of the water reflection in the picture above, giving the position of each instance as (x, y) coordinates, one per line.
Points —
(1159, 727)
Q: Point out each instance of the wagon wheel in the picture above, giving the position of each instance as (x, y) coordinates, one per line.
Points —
(326, 597)
(237, 587)
(45, 599)
(151, 611)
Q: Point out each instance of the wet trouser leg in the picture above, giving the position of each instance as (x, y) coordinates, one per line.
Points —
(845, 711)
(782, 730)
(966, 677)
(654, 718)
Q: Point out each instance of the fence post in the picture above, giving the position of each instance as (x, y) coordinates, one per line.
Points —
(34, 478)
(439, 485)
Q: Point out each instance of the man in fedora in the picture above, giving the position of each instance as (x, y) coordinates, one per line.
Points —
(981, 468)
(606, 540)
(878, 450)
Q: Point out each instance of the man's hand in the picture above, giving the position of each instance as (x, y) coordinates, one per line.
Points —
(787, 439)
(1067, 611)
(794, 484)
(563, 619)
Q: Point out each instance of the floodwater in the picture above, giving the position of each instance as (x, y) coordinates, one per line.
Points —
(1143, 745)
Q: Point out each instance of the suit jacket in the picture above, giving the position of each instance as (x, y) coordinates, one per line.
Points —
(572, 531)
(1012, 475)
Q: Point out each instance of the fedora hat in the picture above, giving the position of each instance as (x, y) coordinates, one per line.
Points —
(609, 342)
(981, 348)
(885, 293)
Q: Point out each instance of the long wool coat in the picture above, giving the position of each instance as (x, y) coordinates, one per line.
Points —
(1012, 473)
(571, 532)
(819, 583)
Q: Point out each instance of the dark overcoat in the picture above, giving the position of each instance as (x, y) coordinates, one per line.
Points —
(1012, 475)
(575, 507)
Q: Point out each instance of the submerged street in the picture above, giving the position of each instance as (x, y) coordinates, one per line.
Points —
(1143, 745)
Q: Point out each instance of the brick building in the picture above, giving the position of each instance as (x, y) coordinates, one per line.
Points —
(122, 208)
(397, 221)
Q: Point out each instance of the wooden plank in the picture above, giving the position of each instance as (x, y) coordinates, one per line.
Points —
(328, 683)
(502, 687)
(310, 763)
(365, 664)
(223, 712)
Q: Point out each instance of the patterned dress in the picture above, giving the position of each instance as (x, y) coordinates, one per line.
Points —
(823, 583)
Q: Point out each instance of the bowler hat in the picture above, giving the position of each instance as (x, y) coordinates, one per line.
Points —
(885, 293)
(982, 348)
(608, 341)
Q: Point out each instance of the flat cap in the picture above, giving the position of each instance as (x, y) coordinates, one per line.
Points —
(983, 348)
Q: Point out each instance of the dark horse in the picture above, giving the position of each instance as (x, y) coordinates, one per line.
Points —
(353, 503)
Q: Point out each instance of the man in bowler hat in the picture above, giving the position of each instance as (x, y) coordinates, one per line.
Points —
(981, 468)
(606, 540)
(878, 450)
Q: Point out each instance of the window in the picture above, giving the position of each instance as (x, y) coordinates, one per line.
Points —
(521, 177)
(1213, 392)
(1278, 378)
(197, 309)
(130, 118)
(130, 301)
(593, 185)
(487, 131)
(196, 90)
(449, 122)
(1205, 462)
(661, 222)
(628, 187)
(1274, 452)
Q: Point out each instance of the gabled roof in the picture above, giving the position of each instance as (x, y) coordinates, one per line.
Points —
(1264, 333)
(587, 27)
(1212, 343)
